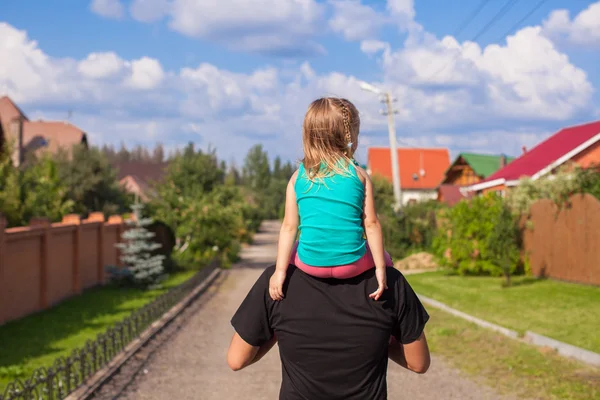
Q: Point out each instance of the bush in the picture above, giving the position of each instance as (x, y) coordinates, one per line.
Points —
(410, 230)
(558, 188)
(35, 190)
(471, 235)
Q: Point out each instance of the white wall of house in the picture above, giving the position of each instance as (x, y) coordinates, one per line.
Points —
(418, 195)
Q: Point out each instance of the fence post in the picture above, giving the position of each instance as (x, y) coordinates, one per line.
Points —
(74, 219)
(117, 219)
(2, 254)
(43, 223)
(99, 217)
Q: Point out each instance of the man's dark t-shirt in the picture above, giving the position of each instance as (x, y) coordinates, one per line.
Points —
(333, 339)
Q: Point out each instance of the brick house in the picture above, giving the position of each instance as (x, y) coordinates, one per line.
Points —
(421, 170)
(34, 136)
(579, 145)
(468, 169)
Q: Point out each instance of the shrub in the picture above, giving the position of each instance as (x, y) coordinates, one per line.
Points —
(557, 187)
(465, 239)
(503, 243)
(411, 229)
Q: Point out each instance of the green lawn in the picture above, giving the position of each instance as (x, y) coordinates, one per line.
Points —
(35, 341)
(508, 365)
(562, 311)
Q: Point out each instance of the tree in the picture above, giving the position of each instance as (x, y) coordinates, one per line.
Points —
(91, 181)
(35, 190)
(503, 243)
(256, 171)
(158, 154)
(143, 268)
(43, 193)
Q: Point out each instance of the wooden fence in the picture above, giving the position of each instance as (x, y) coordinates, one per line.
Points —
(565, 244)
(44, 263)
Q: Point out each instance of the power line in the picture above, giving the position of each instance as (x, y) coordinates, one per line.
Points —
(529, 14)
(507, 6)
(470, 18)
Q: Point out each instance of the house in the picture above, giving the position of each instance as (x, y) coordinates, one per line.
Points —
(421, 170)
(579, 145)
(468, 169)
(138, 177)
(34, 136)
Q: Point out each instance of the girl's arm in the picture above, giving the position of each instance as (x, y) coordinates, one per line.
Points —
(289, 227)
(372, 225)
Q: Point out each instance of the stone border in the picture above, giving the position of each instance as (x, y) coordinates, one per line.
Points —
(532, 338)
(86, 390)
(564, 349)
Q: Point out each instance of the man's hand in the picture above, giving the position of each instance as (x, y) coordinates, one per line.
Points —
(382, 282)
(276, 284)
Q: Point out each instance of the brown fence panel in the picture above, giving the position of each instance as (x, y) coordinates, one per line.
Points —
(22, 272)
(42, 264)
(88, 255)
(565, 244)
(112, 236)
(60, 264)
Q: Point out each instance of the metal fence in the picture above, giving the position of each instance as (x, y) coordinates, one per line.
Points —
(67, 374)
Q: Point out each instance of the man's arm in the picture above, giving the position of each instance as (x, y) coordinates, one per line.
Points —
(241, 354)
(412, 356)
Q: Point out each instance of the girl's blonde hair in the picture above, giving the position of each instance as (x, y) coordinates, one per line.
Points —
(329, 137)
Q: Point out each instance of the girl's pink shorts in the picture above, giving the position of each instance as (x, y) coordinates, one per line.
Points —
(340, 271)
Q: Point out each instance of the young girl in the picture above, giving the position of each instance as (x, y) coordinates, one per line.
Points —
(332, 198)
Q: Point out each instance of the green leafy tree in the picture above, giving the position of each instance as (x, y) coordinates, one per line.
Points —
(92, 181)
(208, 217)
(43, 193)
(503, 243)
(256, 171)
(35, 190)
(144, 268)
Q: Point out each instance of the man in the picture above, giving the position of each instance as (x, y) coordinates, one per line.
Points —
(334, 340)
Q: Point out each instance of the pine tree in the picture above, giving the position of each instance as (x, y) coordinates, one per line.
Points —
(142, 266)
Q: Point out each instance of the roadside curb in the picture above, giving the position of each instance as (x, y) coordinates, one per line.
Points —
(532, 338)
(104, 374)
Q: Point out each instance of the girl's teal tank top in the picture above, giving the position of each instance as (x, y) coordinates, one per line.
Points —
(331, 215)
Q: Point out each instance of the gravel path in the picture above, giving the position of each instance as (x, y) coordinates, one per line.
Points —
(191, 364)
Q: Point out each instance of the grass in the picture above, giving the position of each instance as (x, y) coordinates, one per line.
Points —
(508, 365)
(563, 311)
(37, 340)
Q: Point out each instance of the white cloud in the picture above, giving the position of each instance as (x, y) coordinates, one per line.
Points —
(583, 30)
(403, 12)
(149, 10)
(480, 93)
(146, 73)
(268, 26)
(528, 78)
(373, 46)
(101, 65)
(108, 8)
(354, 20)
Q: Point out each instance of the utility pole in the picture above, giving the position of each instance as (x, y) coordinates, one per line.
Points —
(393, 151)
(388, 100)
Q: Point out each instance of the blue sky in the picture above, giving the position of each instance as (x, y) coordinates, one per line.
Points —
(232, 73)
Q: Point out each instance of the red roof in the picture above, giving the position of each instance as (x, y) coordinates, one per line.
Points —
(549, 151)
(9, 110)
(419, 168)
(53, 134)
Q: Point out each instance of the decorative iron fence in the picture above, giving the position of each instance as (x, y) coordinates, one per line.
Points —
(69, 373)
